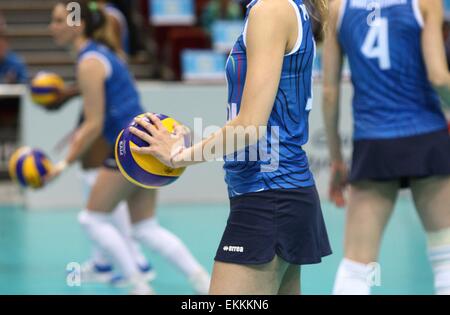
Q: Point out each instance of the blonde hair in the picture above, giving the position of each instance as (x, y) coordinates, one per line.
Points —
(98, 26)
(320, 10)
(105, 35)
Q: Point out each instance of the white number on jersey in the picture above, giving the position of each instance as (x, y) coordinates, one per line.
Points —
(376, 44)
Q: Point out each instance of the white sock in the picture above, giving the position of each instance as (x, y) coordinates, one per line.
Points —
(98, 256)
(440, 262)
(439, 255)
(165, 243)
(137, 254)
(121, 219)
(103, 233)
(352, 278)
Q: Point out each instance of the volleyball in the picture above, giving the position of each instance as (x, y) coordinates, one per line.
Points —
(144, 170)
(28, 167)
(45, 88)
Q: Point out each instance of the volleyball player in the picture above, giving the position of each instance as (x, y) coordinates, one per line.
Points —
(275, 223)
(99, 268)
(397, 59)
(110, 101)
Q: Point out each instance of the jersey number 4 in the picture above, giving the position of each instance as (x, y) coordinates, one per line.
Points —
(376, 44)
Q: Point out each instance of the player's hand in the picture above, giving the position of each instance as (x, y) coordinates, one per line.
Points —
(62, 98)
(162, 144)
(338, 182)
(60, 101)
(55, 172)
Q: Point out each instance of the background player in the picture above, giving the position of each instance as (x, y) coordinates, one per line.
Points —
(400, 134)
(99, 267)
(110, 101)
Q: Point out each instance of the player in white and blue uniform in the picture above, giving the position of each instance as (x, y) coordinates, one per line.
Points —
(287, 169)
(290, 115)
(275, 223)
(110, 102)
(99, 268)
(397, 61)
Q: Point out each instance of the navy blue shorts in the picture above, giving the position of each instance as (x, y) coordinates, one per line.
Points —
(401, 159)
(110, 162)
(284, 222)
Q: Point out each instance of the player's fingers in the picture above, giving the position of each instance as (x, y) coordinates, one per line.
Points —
(142, 135)
(157, 122)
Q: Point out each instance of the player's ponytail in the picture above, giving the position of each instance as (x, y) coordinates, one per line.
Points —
(319, 9)
(96, 25)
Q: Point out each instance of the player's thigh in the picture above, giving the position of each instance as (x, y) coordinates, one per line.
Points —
(109, 189)
(290, 284)
(235, 279)
(432, 200)
(369, 209)
(142, 204)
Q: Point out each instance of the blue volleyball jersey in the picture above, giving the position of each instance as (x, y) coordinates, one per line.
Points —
(392, 95)
(278, 161)
(122, 101)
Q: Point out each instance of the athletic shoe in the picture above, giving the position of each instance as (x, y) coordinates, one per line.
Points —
(95, 273)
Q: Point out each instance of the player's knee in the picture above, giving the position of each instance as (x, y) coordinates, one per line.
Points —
(88, 218)
(155, 236)
(145, 230)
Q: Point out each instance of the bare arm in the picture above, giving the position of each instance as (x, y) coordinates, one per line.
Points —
(269, 29)
(91, 77)
(332, 59)
(433, 48)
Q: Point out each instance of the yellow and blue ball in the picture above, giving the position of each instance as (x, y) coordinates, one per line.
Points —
(28, 167)
(45, 88)
(144, 170)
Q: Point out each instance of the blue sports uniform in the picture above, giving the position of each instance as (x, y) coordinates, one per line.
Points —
(274, 205)
(392, 95)
(12, 70)
(284, 163)
(400, 131)
(122, 101)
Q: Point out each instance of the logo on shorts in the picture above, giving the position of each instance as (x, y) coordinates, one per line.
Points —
(236, 249)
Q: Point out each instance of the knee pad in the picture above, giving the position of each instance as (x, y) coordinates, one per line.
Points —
(155, 236)
(121, 218)
(88, 218)
(88, 178)
(145, 228)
